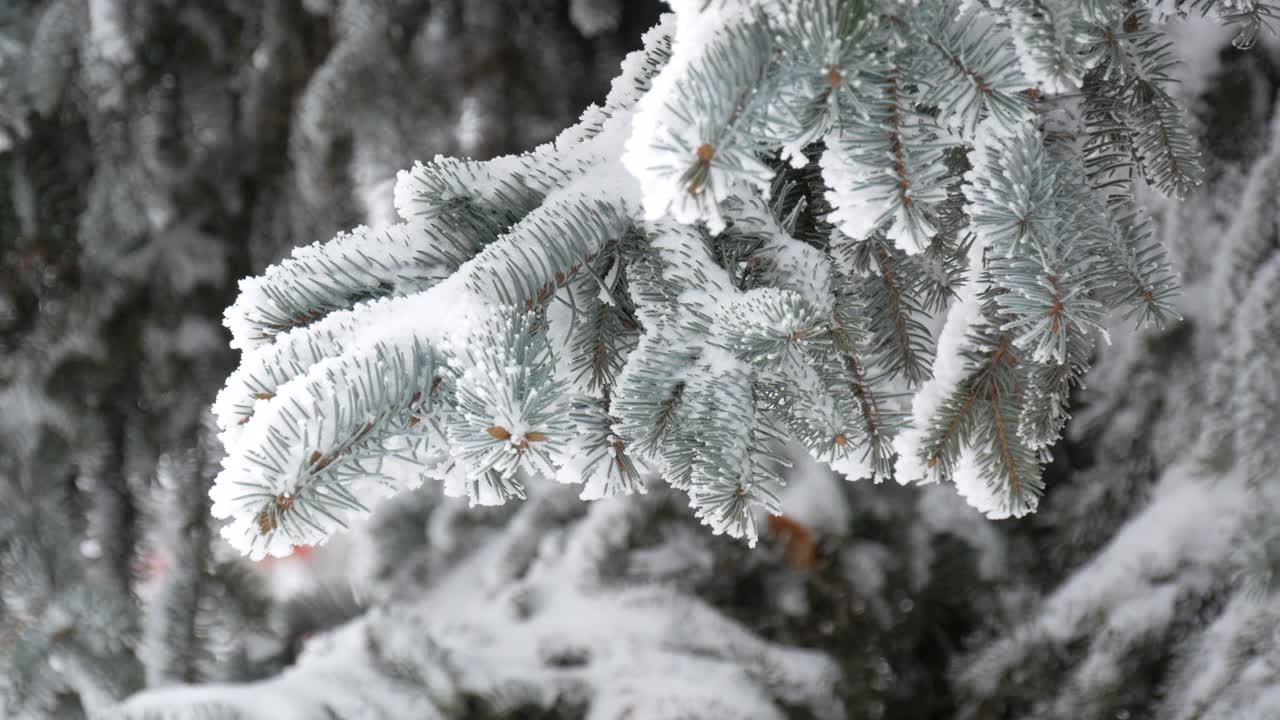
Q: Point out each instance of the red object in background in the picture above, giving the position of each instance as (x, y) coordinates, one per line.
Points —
(799, 544)
(151, 565)
(301, 553)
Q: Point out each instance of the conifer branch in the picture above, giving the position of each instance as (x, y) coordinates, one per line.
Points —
(741, 248)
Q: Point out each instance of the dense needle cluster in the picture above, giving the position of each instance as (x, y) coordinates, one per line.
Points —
(886, 231)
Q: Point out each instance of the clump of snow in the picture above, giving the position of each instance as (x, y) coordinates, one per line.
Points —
(948, 370)
(595, 17)
(856, 216)
(981, 494)
(813, 496)
(662, 146)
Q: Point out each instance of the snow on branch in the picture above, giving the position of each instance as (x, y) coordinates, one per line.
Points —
(868, 228)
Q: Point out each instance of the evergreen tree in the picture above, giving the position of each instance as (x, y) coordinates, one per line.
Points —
(150, 153)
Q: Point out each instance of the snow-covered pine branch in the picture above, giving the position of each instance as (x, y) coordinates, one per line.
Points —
(1248, 17)
(885, 230)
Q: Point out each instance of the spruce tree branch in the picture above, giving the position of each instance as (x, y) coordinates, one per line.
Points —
(1015, 484)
